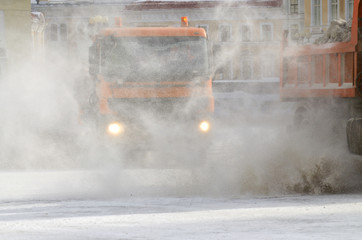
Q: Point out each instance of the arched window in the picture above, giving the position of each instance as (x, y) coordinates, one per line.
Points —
(63, 32)
(225, 33)
(268, 67)
(334, 9)
(54, 32)
(246, 68)
(245, 33)
(316, 13)
(266, 32)
(349, 8)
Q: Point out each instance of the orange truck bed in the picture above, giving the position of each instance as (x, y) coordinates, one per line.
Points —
(328, 70)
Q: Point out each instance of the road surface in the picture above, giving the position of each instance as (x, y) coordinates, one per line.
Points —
(260, 182)
(246, 217)
(93, 205)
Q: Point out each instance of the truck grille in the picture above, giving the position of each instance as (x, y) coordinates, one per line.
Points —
(163, 106)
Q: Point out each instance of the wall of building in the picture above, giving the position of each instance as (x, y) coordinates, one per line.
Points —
(255, 58)
(307, 15)
(326, 15)
(15, 31)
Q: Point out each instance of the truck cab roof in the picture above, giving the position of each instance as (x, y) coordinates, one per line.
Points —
(154, 31)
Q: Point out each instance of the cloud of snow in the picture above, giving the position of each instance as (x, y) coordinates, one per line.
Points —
(48, 150)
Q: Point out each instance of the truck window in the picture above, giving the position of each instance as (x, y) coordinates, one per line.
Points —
(154, 58)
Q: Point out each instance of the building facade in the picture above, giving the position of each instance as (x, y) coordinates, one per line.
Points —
(244, 36)
(15, 33)
(295, 20)
(320, 13)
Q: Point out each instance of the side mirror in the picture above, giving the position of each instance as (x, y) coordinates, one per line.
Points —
(211, 65)
(211, 62)
(93, 60)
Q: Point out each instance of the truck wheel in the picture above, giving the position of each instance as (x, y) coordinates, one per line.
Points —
(354, 135)
(302, 118)
(93, 100)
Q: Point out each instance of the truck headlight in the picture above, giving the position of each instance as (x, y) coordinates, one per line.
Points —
(115, 128)
(204, 126)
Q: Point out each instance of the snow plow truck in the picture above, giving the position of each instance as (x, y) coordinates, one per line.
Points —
(326, 76)
(152, 79)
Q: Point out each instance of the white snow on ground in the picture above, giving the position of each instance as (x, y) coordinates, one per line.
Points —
(47, 185)
(292, 217)
(162, 203)
(72, 205)
(254, 154)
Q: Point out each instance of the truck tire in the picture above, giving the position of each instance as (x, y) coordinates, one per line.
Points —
(354, 135)
(302, 118)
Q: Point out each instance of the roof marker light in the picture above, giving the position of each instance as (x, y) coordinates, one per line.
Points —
(184, 21)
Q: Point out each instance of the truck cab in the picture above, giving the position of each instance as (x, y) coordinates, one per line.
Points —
(161, 74)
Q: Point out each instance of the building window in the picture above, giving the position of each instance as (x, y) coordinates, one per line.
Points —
(316, 12)
(266, 32)
(205, 27)
(245, 33)
(294, 31)
(293, 6)
(81, 31)
(246, 69)
(334, 9)
(349, 9)
(54, 32)
(225, 33)
(63, 32)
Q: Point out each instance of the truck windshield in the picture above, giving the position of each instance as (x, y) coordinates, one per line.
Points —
(154, 58)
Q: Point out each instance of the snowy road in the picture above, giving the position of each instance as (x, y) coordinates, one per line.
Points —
(249, 189)
(289, 217)
(82, 205)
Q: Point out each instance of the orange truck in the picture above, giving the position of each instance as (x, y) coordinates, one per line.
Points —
(327, 76)
(154, 73)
